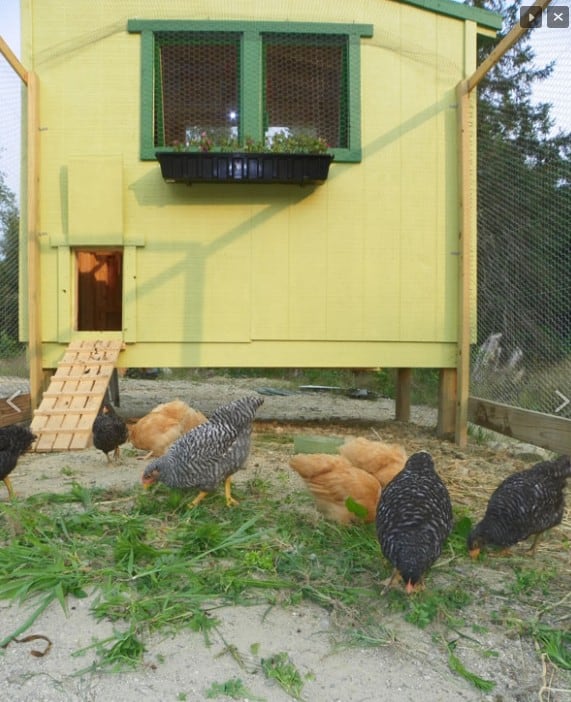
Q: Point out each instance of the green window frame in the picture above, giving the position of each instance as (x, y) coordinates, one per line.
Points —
(253, 39)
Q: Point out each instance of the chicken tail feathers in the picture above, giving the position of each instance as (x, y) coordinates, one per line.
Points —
(238, 413)
(562, 467)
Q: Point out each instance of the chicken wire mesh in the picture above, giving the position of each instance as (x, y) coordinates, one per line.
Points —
(200, 101)
(13, 370)
(523, 351)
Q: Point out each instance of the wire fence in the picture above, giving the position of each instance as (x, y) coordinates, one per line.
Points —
(13, 368)
(523, 353)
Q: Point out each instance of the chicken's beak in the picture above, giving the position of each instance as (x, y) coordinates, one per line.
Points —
(148, 479)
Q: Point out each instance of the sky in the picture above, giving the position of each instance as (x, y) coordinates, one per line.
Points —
(548, 43)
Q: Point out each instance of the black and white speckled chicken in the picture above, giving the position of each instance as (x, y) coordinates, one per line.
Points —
(109, 431)
(414, 518)
(14, 441)
(210, 453)
(526, 503)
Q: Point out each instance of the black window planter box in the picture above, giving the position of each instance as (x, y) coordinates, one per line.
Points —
(211, 167)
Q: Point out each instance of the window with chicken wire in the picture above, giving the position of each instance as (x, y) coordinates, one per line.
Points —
(305, 86)
(231, 83)
(196, 86)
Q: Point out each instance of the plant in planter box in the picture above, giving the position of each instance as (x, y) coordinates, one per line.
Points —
(281, 142)
(282, 158)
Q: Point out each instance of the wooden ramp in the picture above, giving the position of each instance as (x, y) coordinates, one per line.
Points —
(65, 416)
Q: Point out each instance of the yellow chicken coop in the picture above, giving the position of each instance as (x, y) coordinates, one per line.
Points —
(248, 184)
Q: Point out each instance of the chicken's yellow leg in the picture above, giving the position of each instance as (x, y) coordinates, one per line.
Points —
(392, 581)
(533, 548)
(228, 492)
(9, 487)
(198, 499)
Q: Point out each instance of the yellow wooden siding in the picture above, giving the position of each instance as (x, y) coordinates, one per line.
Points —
(91, 182)
(267, 354)
(270, 271)
(51, 294)
(130, 289)
(345, 255)
(382, 211)
(362, 262)
(420, 145)
(307, 293)
(66, 310)
(197, 277)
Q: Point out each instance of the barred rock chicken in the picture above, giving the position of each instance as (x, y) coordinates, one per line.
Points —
(332, 479)
(162, 426)
(14, 441)
(414, 518)
(526, 503)
(109, 431)
(210, 453)
(378, 458)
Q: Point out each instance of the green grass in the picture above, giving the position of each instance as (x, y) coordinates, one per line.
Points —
(153, 565)
(233, 688)
(532, 580)
(161, 566)
(458, 667)
(554, 643)
(280, 668)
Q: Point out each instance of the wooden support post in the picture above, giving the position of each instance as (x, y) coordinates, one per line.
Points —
(447, 396)
(466, 186)
(511, 38)
(404, 383)
(33, 244)
(12, 59)
(112, 393)
(32, 218)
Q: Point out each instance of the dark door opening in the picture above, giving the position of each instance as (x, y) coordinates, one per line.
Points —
(99, 289)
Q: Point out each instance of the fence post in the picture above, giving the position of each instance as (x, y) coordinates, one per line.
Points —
(32, 219)
(464, 260)
(34, 294)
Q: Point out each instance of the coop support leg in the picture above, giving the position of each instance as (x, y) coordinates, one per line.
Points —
(404, 382)
(447, 397)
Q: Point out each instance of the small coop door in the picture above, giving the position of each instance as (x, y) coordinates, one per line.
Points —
(99, 289)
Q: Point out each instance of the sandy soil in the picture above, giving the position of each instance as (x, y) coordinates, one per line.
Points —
(183, 668)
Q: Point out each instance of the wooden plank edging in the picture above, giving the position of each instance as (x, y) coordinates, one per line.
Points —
(545, 430)
(9, 415)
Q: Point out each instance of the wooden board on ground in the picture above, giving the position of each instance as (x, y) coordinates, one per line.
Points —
(15, 409)
(546, 430)
(317, 444)
(69, 406)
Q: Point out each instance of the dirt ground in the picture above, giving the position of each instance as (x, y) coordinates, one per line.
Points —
(183, 668)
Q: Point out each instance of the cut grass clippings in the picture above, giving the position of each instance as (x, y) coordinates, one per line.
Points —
(153, 565)
(160, 566)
